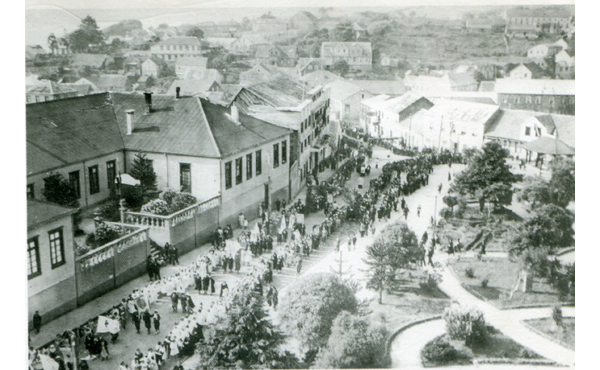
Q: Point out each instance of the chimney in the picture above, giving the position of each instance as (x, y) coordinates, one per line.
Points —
(177, 91)
(148, 97)
(130, 121)
(235, 115)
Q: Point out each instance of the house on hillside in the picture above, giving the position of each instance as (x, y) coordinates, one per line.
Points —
(523, 31)
(308, 65)
(564, 65)
(543, 51)
(246, 43)
(46, 90)
(446, 83)
(525, 71)
(194, 87)
(358, 55)
(153, 66)
(177, 47)
(183, 66)
(303, 21)
(548, 96)
(274, 55)
(547, 19)
(96, 61)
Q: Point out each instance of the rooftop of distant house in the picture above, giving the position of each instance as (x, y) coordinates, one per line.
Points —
(180, 40)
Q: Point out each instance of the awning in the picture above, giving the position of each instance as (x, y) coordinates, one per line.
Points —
(126, 179)
(549, 145)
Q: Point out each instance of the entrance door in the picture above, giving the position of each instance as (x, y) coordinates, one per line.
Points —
(267, 196)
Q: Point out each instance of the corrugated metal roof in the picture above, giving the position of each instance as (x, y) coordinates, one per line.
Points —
(71, 131)
(281, 91)
(340, 90)
(507, 124)
(232, 137)
(174, 126)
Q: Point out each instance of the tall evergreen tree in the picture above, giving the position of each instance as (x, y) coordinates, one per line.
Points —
(87, 34)
(143, 170)
(246, 338)
(58, 190)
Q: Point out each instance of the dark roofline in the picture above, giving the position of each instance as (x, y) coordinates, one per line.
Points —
(68, 211)
(68, 163)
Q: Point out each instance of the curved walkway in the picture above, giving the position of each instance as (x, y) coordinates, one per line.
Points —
(406, 348)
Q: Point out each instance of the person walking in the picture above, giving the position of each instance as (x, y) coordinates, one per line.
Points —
(419, 211)
(430, 255)
(354, 242)
(37, 321)
(136, 320)
(440, 188)
(104, 349)
(147, 320)
(156, 321)
(299, 264)
(406, 210)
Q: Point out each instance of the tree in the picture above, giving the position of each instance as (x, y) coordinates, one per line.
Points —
(469, 154)
(143, 170)
(535, 191)
(562, 181)
(450, 201)
(464, 323)
(245, 338)
(550, 227)
(52, 43)
(341, 67)
(487, 177)
(395, 248)
(355, 342)
(268, 15)
(58, 190)
(312, 304)
(195, 32)
(87, 34)
(343, 31)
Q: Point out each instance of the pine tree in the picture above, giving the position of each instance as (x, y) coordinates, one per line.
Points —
(58, 190)
(246, 338)
(143, 170)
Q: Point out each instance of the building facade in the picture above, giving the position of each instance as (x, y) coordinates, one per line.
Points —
(356, 54)
(177, 47)
(547, 96)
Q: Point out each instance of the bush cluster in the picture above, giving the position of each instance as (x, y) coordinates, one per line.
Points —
(463, 323)
(104, 234)
(169, 202)
(440, 352)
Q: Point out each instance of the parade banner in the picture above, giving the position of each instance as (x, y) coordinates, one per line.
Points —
(106, 325)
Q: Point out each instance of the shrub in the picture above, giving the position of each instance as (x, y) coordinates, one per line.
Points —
(557, 315)
(484, 283)
(430, 284)
(177, 201)
(104, 233)
(440, 352)
(111, 212)
(470, 273)
(464, 323)
(446, 213)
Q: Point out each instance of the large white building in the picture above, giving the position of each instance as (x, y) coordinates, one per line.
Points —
(356, 54)
(177, 47)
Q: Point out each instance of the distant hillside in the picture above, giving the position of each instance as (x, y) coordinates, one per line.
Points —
(121, 28)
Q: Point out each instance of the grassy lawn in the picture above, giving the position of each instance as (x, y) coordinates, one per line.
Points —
(502, 275)
(566, 335)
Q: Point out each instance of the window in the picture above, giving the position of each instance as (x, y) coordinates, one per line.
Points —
(228, 175)
(284, 152)
(94, 180)
(275, 155)
(30, 192)
(33, 258)
(538, 100)
(74, 181)
(238, 171)
(57, 248)
(185, 177)
(527, 131)
(111, 173)
(248, 166)
(258, 162)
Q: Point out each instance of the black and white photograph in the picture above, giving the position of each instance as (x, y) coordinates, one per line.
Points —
(298, 185)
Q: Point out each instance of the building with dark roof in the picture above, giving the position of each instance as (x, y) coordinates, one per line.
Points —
(78, 138)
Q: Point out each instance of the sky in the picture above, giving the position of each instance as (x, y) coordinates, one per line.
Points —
(111, 4)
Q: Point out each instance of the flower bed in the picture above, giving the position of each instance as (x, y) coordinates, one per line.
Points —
(168, 203)
(104, 233)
